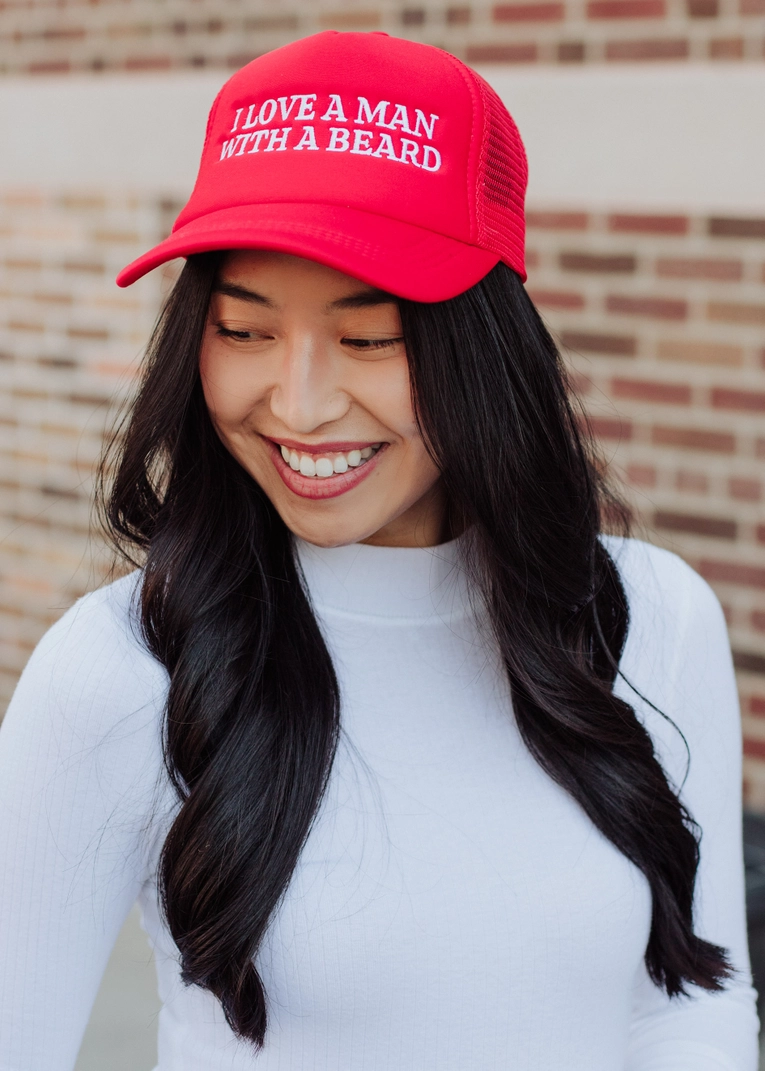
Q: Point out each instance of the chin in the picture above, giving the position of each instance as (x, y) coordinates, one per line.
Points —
(332, 532)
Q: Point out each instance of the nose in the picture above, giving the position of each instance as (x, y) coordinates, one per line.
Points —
(306, 394)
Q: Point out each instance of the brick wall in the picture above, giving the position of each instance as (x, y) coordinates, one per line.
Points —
(660, 316)
(69, 344)
(46, 36)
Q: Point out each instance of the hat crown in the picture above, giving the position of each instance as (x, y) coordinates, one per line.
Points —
(372, 129)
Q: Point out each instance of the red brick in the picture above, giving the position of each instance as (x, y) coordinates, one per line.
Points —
(761, 533)
(626, 9)
(699, 268)
(702, 9)
(350, 20)
(64, 33)
(759, 448)
(532, 259)
(718, 442)
(758, 622)
(148, 63)
(660, 49)
(750, 576)
(623, 263)
(641, 475)
(49, 67)
(726, 48)
(614, 345)
(645, 390)
(726, 227)
(557, 299)
(603, 428)
(658, 308)
(557, 221)
(458, 16)
(501, 53)
(413, 16)
(571, 52)
(736, 312)
(645, 224)
(545, 12)
(752, 7)
(745, 400)
(757, 704)
(744, 490)
(694, 524)
(755, 749)
(89, 333)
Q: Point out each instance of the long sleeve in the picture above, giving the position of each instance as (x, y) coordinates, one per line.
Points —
(79, 764)
(679, 658)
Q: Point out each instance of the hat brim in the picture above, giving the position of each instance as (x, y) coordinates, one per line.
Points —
(400, 258)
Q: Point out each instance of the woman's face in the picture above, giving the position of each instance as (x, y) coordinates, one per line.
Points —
(306, 380)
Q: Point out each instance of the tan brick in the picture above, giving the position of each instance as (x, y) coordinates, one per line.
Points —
(736, 312)
(652, 49)
(490, 53)
(598, 262)
(557, 221)
(726, 48)
(700, 352)
(655, 307)
(591, 342)
(537, 12)
(720, 442)
(648, 224)
(745, 490)
(699, 268)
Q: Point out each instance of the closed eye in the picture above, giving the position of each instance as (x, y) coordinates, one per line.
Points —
(240, 336)
(371, 343)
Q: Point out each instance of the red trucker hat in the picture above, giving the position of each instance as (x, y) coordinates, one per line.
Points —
(386, 159)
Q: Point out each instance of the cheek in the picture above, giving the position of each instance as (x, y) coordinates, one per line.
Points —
(387, 395)
(229, 389)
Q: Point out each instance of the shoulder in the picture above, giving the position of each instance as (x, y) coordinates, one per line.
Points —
(676, 662)
(665, 595)
(93, 663)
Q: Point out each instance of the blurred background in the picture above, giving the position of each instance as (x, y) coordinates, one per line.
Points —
(645, 126)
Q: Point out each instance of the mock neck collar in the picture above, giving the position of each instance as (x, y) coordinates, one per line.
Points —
(392, 582)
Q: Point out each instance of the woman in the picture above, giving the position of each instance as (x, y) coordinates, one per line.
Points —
(388, 740)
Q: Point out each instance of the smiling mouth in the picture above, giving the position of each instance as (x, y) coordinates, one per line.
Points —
(329, 463)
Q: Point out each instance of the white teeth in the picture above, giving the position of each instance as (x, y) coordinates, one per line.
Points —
(323, 467)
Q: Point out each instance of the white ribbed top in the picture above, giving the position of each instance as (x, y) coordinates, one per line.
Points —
(453, 909)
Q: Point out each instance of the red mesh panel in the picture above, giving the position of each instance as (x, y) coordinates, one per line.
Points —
(501, 186)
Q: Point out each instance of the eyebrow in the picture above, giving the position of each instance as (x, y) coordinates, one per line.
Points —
(364, 300)
(242, 293)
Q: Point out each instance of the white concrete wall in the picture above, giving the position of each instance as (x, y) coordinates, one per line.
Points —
(680, 137)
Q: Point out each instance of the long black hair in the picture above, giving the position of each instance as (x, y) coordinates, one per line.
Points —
(252, 716)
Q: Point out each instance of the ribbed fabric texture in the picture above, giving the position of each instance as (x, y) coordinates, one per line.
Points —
(453, 909)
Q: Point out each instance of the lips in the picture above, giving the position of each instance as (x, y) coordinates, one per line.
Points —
(324, 471)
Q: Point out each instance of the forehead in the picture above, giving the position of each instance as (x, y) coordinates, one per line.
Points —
(280, 280)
